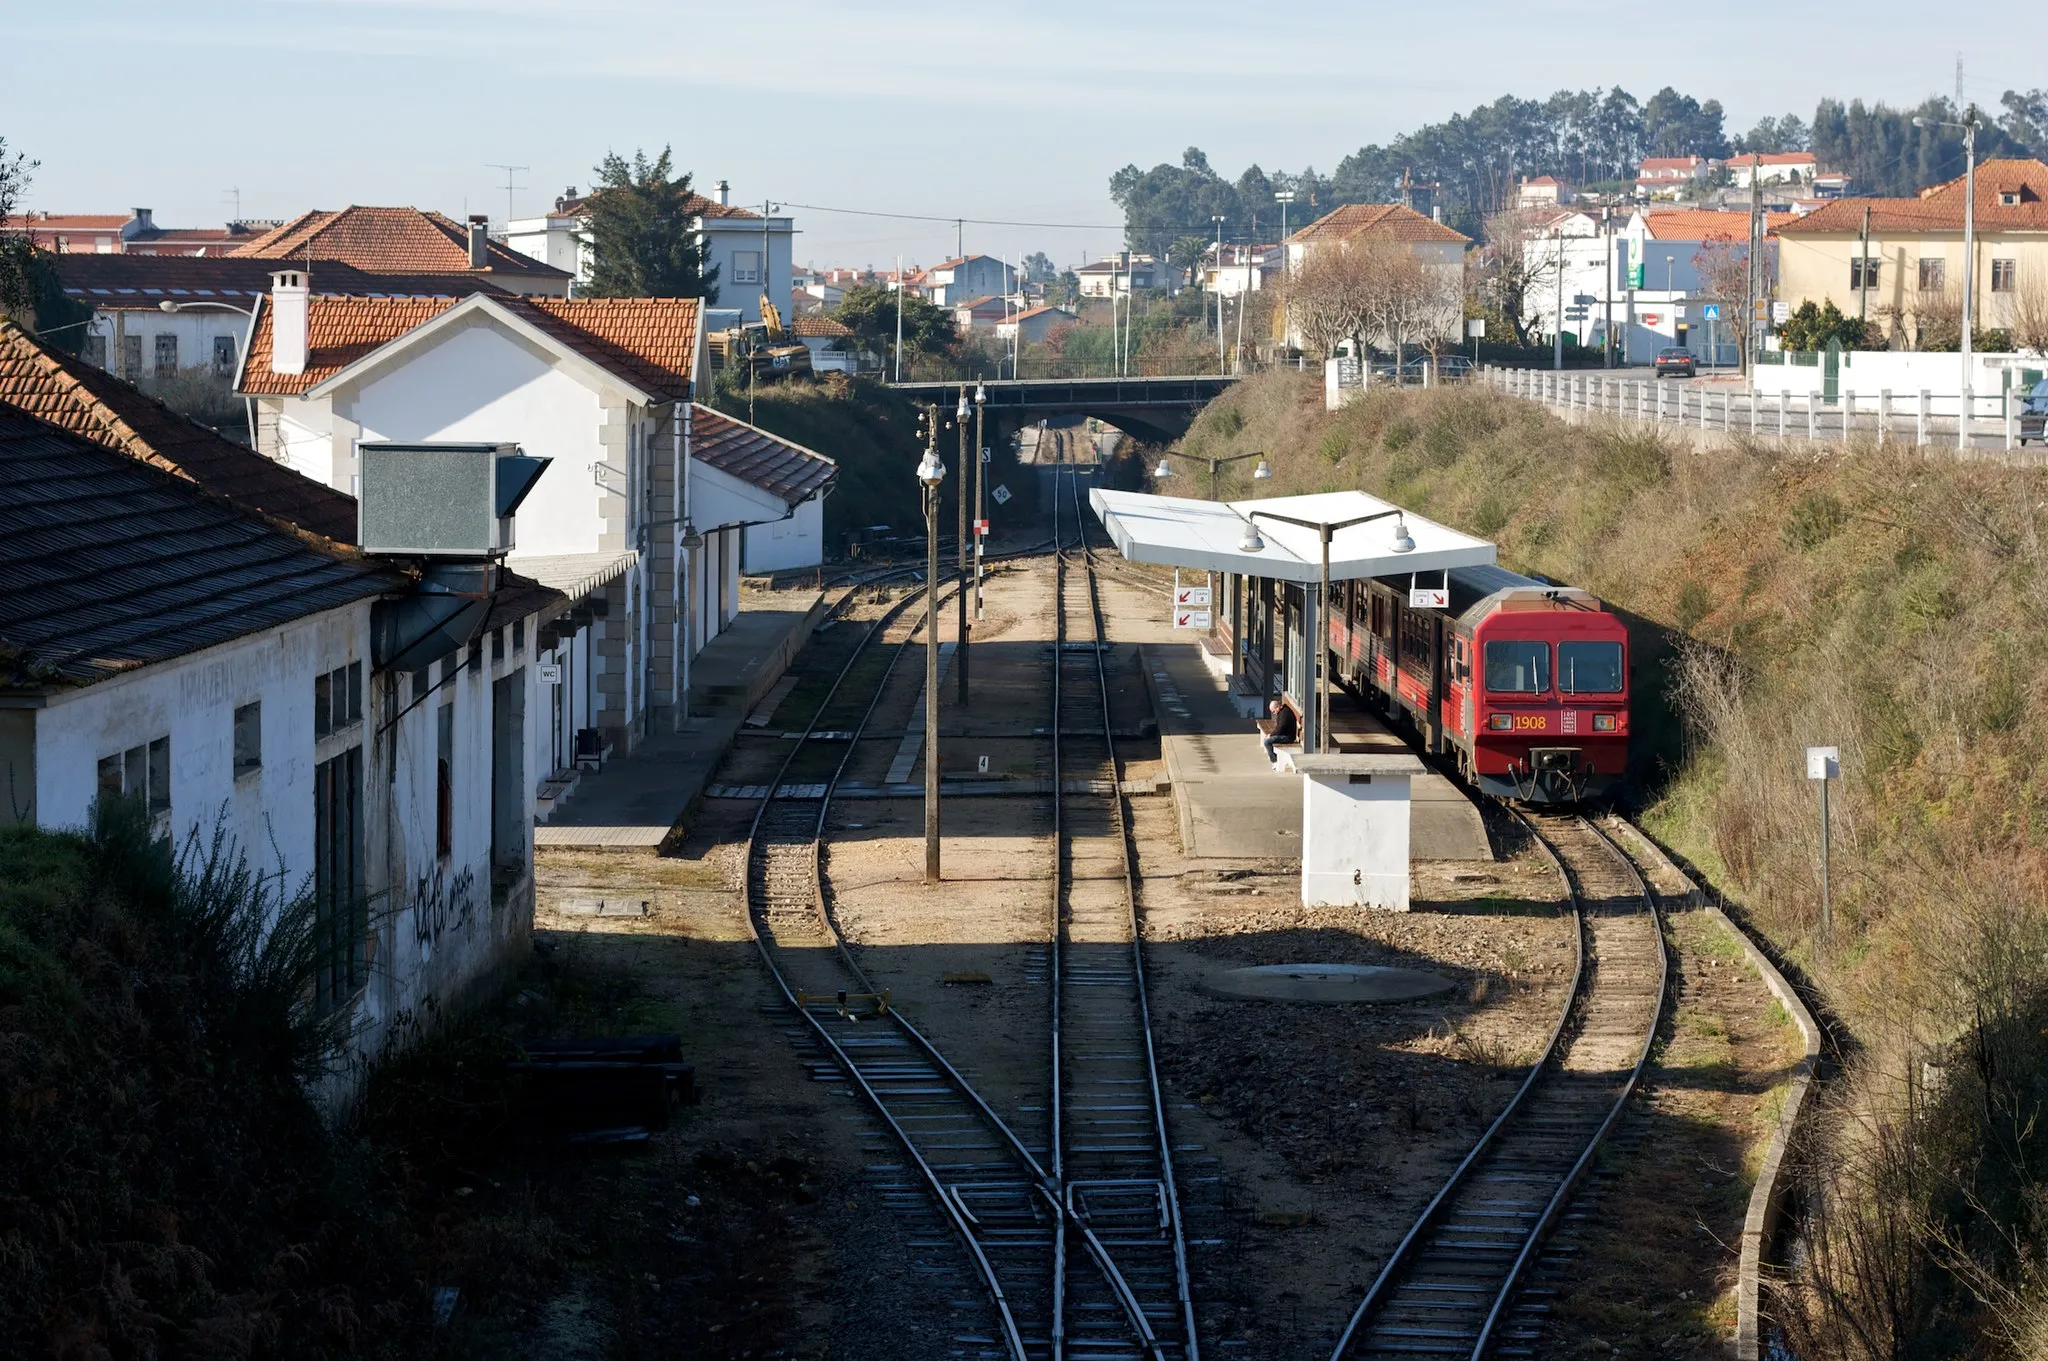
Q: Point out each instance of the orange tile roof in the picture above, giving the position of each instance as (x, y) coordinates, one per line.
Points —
(1704, 224)
(1940, 208)
(815, 327)
(649, 342)
(770, 462)
(65, 222)
(73, 395)
(385, 240)
(1390, 221)
(1770, 158)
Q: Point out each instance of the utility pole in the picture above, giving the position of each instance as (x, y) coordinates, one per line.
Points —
(1753, 273)
(1286, 196)
(1969, 253)
(899, 318)
(1863, 268)
(930, 473)
(1607, 290)
(1219, 293)
(1557, 331)
(489, 165)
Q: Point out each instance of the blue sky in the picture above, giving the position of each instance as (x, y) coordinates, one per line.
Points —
(1000, 112)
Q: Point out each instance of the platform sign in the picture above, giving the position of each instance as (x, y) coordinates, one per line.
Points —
(1429, 598)
(1191, 597)
(1191, 619)
(1823, 763)
(549, 673)
(1000, 495)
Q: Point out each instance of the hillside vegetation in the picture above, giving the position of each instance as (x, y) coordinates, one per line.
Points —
(1895, 606)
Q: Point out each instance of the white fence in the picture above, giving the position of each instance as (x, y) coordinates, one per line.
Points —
(1923, 417)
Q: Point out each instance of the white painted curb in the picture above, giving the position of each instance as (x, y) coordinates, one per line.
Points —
(1767, 1198)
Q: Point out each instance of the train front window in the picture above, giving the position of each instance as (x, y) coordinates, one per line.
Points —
(1589, 668)
(1518, 667)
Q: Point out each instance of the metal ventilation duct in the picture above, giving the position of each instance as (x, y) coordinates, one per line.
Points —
(445, 611)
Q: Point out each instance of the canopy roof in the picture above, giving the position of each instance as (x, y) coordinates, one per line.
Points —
(1178, 532)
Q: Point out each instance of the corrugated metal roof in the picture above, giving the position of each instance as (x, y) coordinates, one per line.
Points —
(107, 563)
(769, 462)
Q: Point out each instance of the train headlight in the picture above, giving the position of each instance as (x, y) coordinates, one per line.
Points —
(1603, 722)
(1501, 722)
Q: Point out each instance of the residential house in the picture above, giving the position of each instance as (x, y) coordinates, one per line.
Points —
(1438, 248)
(605, 388)
(1671, 177)
(1033, 326)
(752, 254)
(831, 343)
(952, 282)
(1545, 191)
(1772, 167)
(135, 234)
(1121, 273)
(1675, 264)
(235, 677)
(1907, 273)
(1241, 269)
(982, 314)
(156, 317)
(405, 241)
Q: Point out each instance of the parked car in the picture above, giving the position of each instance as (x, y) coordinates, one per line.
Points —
(2034, 414)
(1675, 361)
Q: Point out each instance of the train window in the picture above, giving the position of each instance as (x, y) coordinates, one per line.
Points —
(1518, 667)
(1589, 668)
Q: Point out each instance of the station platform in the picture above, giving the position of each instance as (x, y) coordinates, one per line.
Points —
(1232, 804)
(637, 803)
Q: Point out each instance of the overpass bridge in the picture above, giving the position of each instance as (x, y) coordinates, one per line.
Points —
(1156, 410)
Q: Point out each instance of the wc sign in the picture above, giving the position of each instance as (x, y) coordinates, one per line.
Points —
(1435, 596)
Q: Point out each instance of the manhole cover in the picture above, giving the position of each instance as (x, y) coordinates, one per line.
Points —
(1328, 983)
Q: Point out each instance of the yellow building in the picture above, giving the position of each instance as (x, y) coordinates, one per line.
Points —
(1899, 262)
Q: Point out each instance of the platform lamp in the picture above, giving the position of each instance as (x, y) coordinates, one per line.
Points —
(930, 473)
(980, 505)
(960, 495)
(1403, 542)
(1164, 470)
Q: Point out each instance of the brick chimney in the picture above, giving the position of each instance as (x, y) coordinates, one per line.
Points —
(479, 241)
(290, 295)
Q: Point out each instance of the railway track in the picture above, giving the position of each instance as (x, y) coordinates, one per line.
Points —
(1112, 1155)
(1457, 1284)
(1044, 1264)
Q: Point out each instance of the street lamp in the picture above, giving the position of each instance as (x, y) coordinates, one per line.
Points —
(1218, 218)
(1402, 542)
(980, 506)
(1971, 122)
(1284, 197)
(184, 305)
(930, 473)
(1165, 470)
(960, 495)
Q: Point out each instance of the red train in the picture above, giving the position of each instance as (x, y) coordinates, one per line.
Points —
(1523, 683)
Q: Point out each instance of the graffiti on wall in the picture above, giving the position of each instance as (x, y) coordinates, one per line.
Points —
(441, 901)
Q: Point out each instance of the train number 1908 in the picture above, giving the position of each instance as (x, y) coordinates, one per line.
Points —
(1532, 722)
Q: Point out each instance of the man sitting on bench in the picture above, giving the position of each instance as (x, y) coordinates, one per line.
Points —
(1280, 731)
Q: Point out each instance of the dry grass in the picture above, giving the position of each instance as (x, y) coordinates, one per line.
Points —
(1890, 604)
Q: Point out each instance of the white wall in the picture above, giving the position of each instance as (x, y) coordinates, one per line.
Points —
(305, 441)
(482, 383)
(724, 236)
(796, 542)
(1868, 373)
(192, 700)
(195, 330)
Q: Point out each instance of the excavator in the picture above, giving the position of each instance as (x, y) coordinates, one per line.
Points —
(774, 351)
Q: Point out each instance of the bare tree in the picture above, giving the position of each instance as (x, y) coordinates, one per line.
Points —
(2027, 314)
(1327, 298)
(1517, 267)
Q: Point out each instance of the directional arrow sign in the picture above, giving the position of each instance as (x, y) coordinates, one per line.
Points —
(1191, 619)
(1191, 597)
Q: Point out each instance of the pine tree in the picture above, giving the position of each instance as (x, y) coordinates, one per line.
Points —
(644, 243)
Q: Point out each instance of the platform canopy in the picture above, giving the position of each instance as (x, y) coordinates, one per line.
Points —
(1175, 531)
